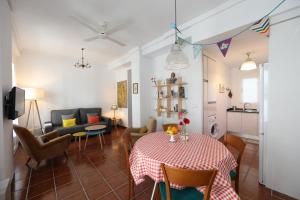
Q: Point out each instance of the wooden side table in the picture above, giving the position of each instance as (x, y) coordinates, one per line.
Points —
(79, 135)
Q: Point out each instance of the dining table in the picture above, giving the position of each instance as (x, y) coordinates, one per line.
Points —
(199, 152)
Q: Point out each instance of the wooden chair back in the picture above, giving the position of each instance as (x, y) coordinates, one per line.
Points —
(237, 143)
(165, 126)
(188, 178)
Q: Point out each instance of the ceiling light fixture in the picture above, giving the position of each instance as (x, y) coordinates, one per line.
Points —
(82, 64)
(176, 58)
(248, 64)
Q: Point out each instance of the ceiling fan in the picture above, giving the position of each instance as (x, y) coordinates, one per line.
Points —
(103, 32)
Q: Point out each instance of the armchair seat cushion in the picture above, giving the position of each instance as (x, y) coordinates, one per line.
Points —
(138, 134)
(184, 194)
(232, 175)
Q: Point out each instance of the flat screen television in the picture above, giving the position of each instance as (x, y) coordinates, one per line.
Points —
(16, 103)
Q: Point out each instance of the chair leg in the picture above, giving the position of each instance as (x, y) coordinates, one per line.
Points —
(236, 182)
(130, 189)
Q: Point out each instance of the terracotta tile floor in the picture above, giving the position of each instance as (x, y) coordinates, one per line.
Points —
(100, 174)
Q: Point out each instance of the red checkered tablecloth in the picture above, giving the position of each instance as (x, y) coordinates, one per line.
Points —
(201, 152)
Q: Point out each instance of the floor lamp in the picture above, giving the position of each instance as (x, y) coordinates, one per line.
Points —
(32, 95)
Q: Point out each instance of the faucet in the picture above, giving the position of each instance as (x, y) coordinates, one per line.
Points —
(244, 107)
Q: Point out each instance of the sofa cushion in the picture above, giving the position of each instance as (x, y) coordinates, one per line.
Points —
(56, 116)
(70, 130)
(85, 111)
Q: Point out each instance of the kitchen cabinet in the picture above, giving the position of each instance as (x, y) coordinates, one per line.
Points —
(250, 123)
(243, 122)
(234, 121)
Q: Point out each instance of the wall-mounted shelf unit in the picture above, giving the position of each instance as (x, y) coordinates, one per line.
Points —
(170, 94)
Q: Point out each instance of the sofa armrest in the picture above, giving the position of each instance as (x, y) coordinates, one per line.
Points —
(107, 122)
(48, 126)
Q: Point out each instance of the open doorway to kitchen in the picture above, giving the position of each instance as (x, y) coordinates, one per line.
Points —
(235, 99)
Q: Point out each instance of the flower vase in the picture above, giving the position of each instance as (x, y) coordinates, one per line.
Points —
(184, 135)
(172, 138)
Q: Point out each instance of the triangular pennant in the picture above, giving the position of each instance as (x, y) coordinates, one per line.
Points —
(196, 50)
(180, 41)
(262, 26)
(224, 46)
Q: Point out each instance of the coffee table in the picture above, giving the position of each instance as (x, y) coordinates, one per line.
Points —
(95, 130)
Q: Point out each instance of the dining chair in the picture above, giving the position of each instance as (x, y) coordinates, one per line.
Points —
(166, 126)
(238, 144)
(189, 179)
(127, 149)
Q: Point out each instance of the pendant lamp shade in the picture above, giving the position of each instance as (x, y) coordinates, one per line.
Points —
(248, 64)
(176, 58)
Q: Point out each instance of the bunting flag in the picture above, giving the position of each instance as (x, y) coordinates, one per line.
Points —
(180, 41)
(262, 26)
(196, 50)
(224, 46)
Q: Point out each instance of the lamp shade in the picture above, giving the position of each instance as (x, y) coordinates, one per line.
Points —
(33, 93)
(176, 58)
(248, 64)
(114, 107)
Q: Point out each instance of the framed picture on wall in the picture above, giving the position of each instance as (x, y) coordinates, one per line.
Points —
(135, 88)
(122, 94)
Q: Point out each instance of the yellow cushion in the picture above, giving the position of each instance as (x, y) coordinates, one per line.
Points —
(69, 122)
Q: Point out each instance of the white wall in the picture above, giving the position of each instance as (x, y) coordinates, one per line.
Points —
(6, 143)
(236, 77)
(194, 89)
(64, 85)
(282, 138)
(217, 73)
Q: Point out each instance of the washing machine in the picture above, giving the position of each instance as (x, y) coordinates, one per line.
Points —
(213, 129)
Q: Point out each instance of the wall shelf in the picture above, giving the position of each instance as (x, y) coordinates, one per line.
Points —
(166, 102)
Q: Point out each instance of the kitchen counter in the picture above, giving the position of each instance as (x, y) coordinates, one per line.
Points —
(242, 110)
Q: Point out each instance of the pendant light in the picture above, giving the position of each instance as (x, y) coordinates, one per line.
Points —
(82, 64)
(248, 64)
(176, 58)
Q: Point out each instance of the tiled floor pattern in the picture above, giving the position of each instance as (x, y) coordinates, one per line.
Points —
(100, 174)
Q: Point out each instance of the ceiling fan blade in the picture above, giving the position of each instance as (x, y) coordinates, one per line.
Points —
(83, 23)
(116, 28)
(92, 38)
(115, 41)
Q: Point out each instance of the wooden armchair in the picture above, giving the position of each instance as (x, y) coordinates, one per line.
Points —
(139, 132)
(44, 147)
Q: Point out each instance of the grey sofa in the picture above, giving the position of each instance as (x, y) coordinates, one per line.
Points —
(81, 120)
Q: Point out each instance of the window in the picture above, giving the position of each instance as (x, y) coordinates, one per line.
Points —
(249, 88)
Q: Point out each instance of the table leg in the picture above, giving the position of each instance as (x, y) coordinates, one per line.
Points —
(153, 191)
(79, 143)
(86, 139)
(102, 134)
(100, 140)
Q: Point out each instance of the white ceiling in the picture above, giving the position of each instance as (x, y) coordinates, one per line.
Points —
(248, 41)
(46, 26)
